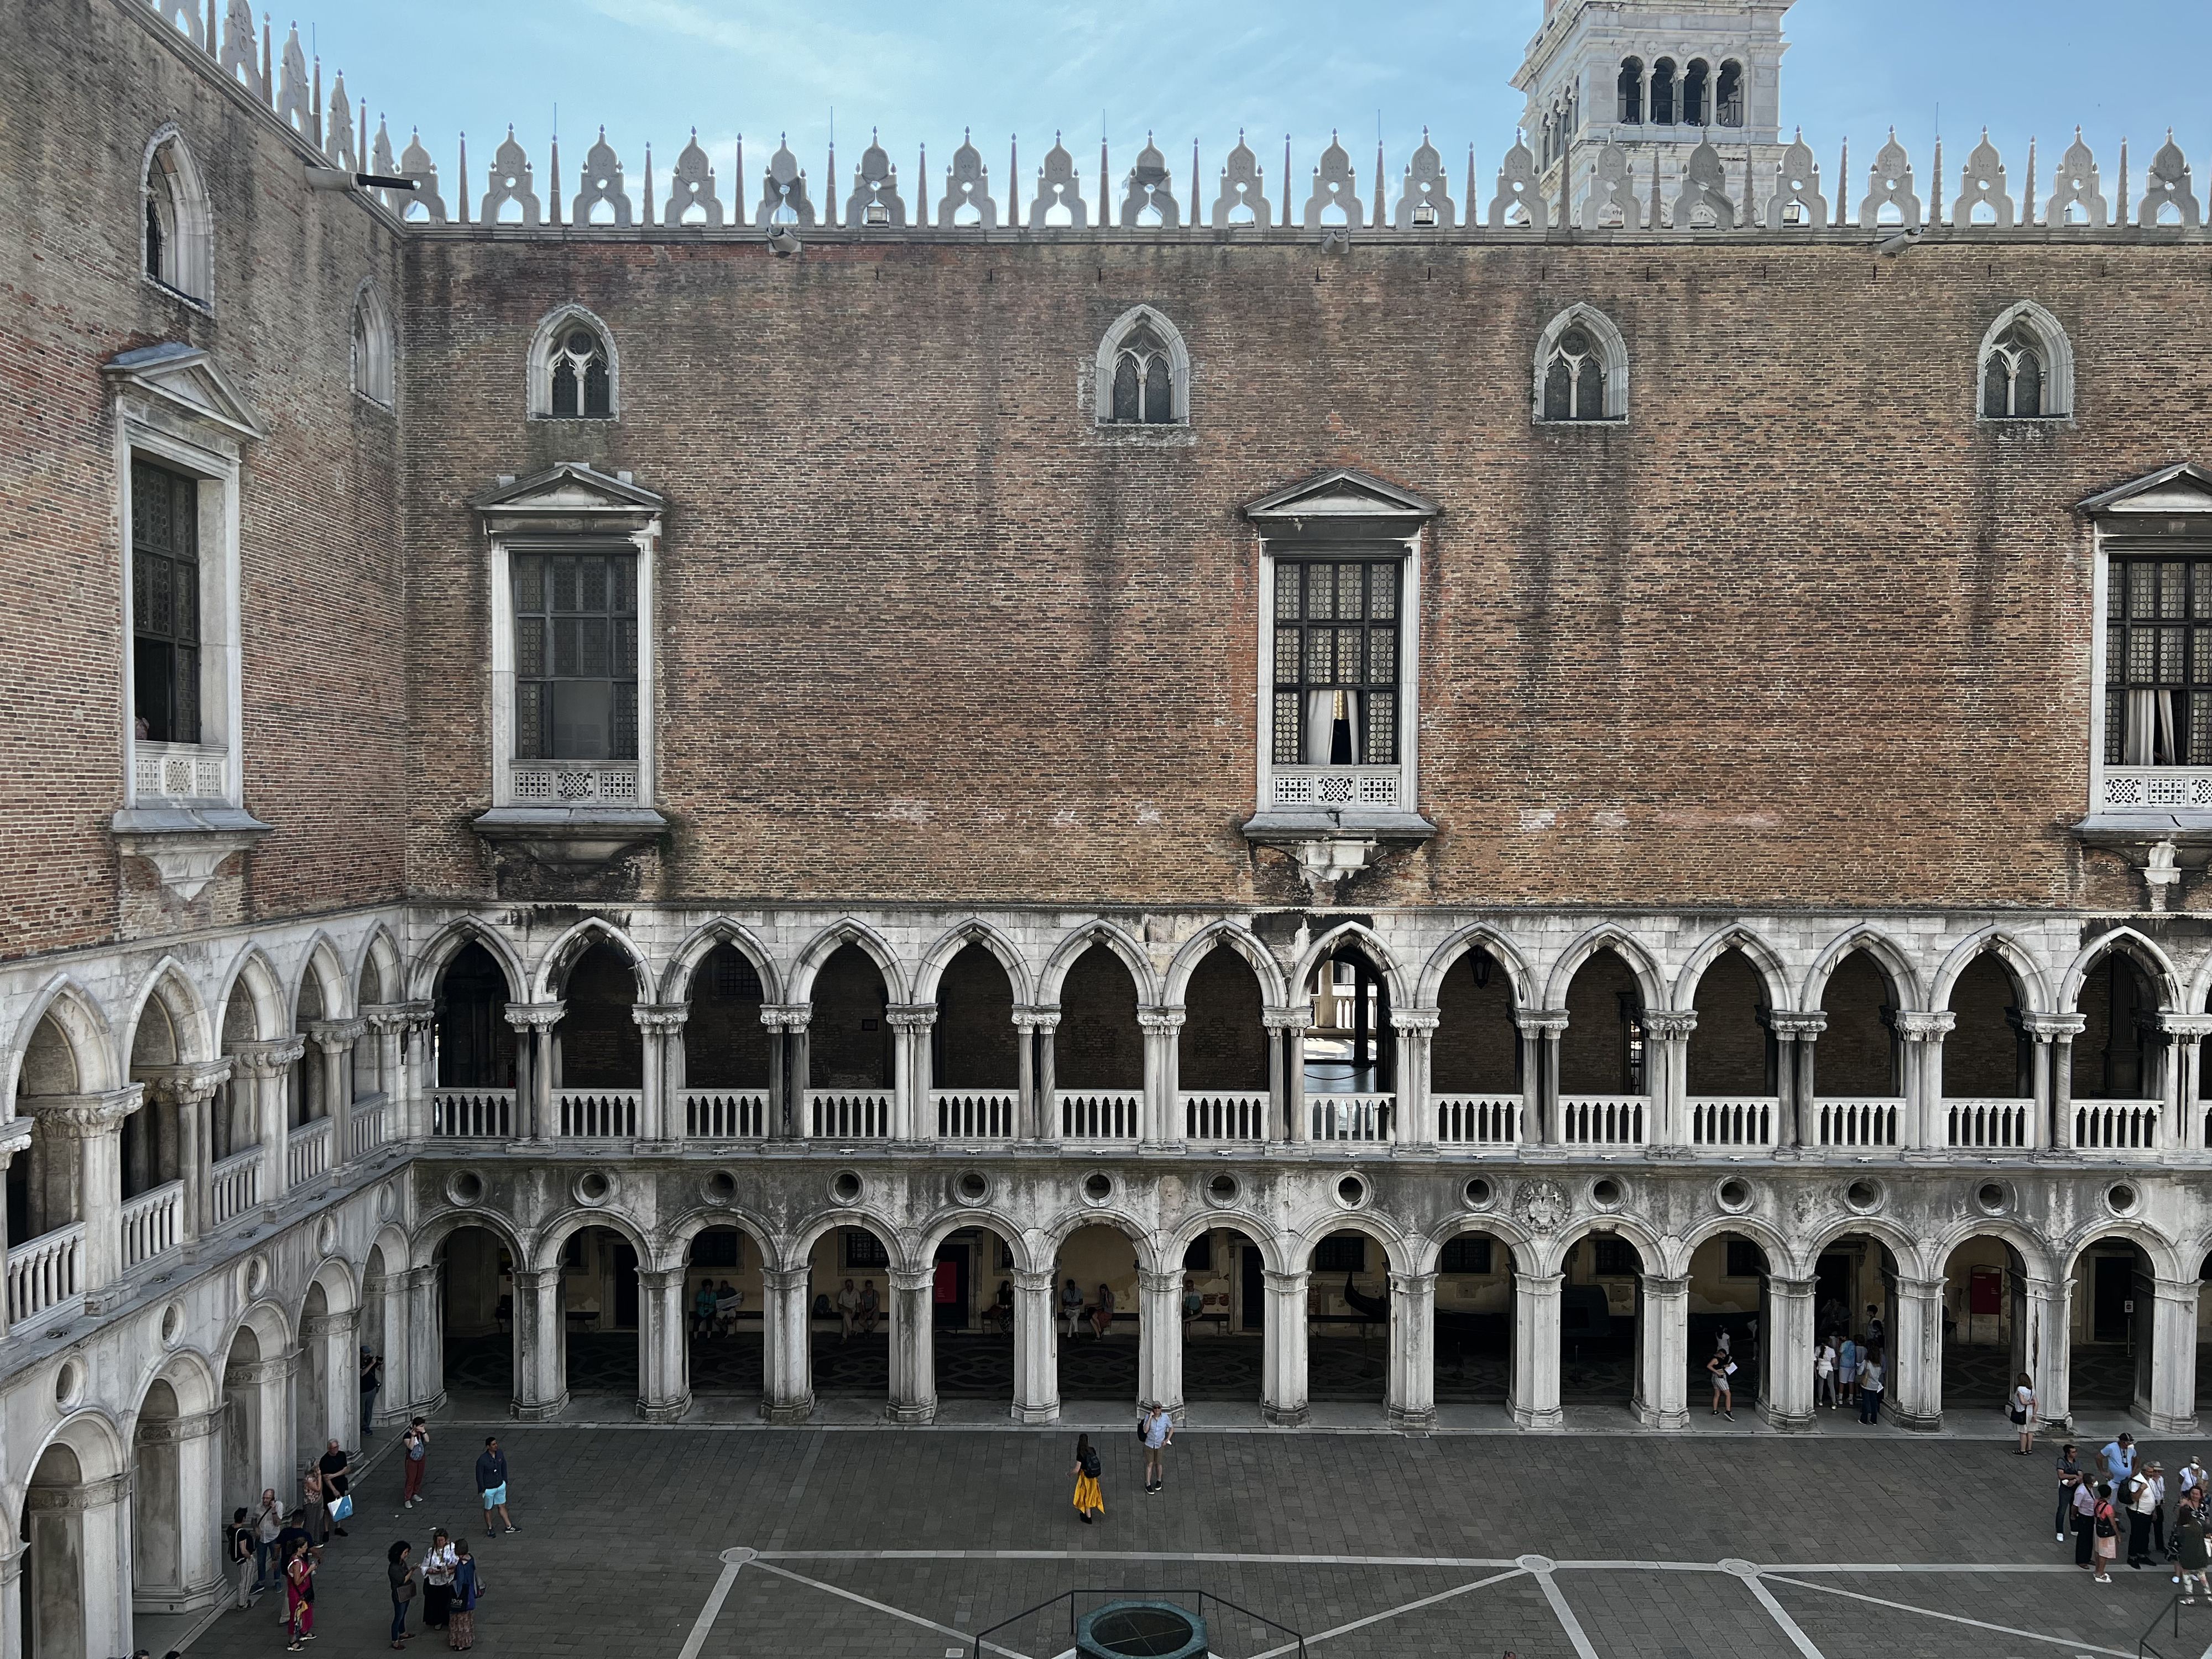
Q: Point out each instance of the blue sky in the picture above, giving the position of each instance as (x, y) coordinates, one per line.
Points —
(652, 70)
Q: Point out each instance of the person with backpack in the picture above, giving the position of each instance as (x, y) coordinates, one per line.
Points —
(2140, 1496)
(2192, 1554)
(240, 1548)
(1089, 1502)
(2022, 1411)
(2106, 1526)
(2070, 1482)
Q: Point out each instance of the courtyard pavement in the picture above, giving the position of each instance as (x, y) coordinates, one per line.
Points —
(712, 1541)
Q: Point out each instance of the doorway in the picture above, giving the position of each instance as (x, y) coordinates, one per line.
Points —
(2115, 1289)
(948, 1296)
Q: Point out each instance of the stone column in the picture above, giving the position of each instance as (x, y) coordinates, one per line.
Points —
(541, 1345)
(1036, 1351)
(1540, 1029)
(913, 1119)
(1160, 1338)
(1785, 1393)
(2172, 1408)
(1927, 1128)
(334, 1040)
(1283, 1359)
(1797, 1032)
(661, 1026)
(665, 1369)
(2054, 1035)
(80, 1567)
(1915, 1355)
(1533, 1397)
(426, 1340)
(76, 1174)
(338, 1411)
(2048, 1347)
(1026, 1114)
(264, 1065)
(913, 1351)
(1414, 1125)
(14, 1638)
(387, 1024)
(2185, 1034)
(175, 1513)
(1663, 1385)
(535, 1120)
(14, 1142)
(1285, 1028)
(787, 1385)
(267, 1386)
(1040, 1111)
(786, 1067)
(1410, 1396)
(188, 1090)
(1668, 1030)
(1162, 1123)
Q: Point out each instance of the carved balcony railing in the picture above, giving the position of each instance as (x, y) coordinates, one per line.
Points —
(306, 1152)
(2116, 1126)
(1853, 1121)
(725, 1113)
(572, 783)
(1987, 1125)
(1237, 1117)
(45, 1271)
(1357, 1117)
(367, 1124)
(1604, 1120)
(180, 772)
(848, 1114)
(1100, 1114)
(1334, 786)
(234, 1185)
(472, 1113)
(976, 1115)
(597, 1113)
(150, 1223)
(1478, 1119)
(1720, 1122)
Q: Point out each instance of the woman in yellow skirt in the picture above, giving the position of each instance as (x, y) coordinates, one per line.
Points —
(1088, 1501)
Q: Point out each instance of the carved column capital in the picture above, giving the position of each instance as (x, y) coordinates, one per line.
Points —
(786, 1016)
(2184, 1025)
(268, 1059)
(1286, 1019)
(187, 1085)
(2046, 1028)
(1668, 1022)
(911, 1016)
(1804, 1026)
(81, 1117)
(336, 1036)
(1923, 1024)
(535, 1016)
(1416, 1019)
(663, 1016)
(1540, 1022)
(1162, 1020)
(1037, 1019)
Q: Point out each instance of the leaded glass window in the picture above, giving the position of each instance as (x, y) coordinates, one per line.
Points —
(1574, 378)
(1144, 381)
(165, 605)
(575, 656)
(580, 387)
(2158, 663)
(1336, 662)
(2012, 377)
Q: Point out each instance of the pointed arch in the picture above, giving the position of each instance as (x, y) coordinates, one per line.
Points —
(2002, 370)
(333, 985)
(562, 956)
(1274, 989)
(375, 347)
(1478, 936)
(1764, 959)
(1606, 936)
(1144, 337)
(83, 1027)
(168, 983)
(2141, 950)
(1909, 1247)
(380, 953)
(271, 1326)
(341, 1288)
(1605, 349)
(94, 1437)
(846, 930)
(176, 226)
(456, 936)
(253, 971)
(1369, 943)
(677, 1234)
(1115, 939)
(1904, 980)
(2026, 970)
(189, 1374)
(973, 930)
(701, 942)
(553, 344)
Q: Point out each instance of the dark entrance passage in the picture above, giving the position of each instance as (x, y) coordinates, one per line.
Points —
(2113, 1299)
(599, 1311)
(972, 1316)
(849, 1314)
(1474, 1320)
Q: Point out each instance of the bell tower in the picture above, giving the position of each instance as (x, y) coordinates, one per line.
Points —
(1659, 78)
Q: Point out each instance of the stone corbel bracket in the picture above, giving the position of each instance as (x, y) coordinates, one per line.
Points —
(187, 847)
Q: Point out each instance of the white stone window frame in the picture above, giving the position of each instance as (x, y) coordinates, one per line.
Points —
(374, 353)
(146, 431)
(192, 229)
(539, 369)
(1364, 782)
(1613, 357)
(645, 543)
(2157, 792)
(1094, 385)
(2058, 365)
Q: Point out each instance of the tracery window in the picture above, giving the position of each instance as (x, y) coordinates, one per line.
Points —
(1144, 381)
(2158, 663)
(165, 605)
(575, 656)
(178, 231)
(1574, 378)
(1336, 667)
(373, 375)
(581, 387)
(2012, 376)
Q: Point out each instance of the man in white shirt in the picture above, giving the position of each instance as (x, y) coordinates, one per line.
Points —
(2139, 1496)
(2156, 1472)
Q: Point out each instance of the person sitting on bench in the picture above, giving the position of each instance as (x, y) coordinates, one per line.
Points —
(1102, 1314)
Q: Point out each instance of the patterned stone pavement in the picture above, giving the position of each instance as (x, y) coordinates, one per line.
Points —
(877, 1543)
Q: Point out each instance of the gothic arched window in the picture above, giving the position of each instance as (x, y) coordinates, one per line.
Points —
(1727, 98)
(1632, 92)
(1144, 373)
(1582, 368)
(374, 352)
(2027, 367)
(178, 232)
(1697, 80)
(1662, 92)
(574, 372)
